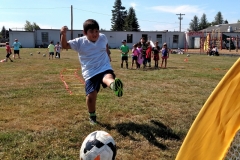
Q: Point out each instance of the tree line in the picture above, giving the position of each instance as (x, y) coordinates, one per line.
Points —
(126, 20)
(197, 25)
(122, 20)
(4, 34)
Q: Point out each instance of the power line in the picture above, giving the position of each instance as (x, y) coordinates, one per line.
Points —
(96, 13)
(111, 15)
(180, 18)
(37, 8)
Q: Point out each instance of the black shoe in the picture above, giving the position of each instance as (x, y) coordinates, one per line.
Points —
(93, 120)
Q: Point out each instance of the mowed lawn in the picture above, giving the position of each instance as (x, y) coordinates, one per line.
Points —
(40, 119)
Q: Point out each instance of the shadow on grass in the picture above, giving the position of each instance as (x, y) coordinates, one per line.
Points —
(149, 131)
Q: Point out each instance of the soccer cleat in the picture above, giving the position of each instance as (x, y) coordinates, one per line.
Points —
(93, 120)
(118, 87)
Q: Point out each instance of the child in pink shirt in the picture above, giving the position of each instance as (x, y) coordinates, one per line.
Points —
(135, 53)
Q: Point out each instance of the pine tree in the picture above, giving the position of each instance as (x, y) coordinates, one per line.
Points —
(118, 16)
(226, 22)
(194, 24)
(131, 22)
(203, 22)
(218, 19)
(3, 32)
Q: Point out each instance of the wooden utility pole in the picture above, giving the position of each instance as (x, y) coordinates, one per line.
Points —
(180, 18)
(71, 22)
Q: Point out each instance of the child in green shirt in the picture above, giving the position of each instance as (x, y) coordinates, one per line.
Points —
(124, 50)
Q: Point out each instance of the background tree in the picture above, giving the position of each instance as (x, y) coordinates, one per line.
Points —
(194, 24)
(118, 16)
(131, 22)
(238, 21)
(3, 32)
(31, 27)
(204, 22)
(226, 22)
(218, 19)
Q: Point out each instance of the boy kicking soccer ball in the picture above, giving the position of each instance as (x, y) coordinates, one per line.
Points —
(94, 57)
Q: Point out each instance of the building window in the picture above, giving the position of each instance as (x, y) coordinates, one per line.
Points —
(145, 36)
(80, 35)
(159, 38)
(175, 38)
(129, 38)
(45, 37)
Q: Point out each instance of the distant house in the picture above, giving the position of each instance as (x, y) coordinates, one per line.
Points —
(230, 28)
(42, 37)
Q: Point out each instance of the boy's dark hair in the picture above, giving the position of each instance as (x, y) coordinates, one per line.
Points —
(7, 43)
(90, 24)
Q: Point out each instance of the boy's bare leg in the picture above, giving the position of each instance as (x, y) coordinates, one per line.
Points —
(108, 79)
(91, 101)
(115, 84)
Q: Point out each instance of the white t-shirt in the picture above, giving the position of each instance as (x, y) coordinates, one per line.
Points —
(93, 57)
(58, 48)
(215, 49)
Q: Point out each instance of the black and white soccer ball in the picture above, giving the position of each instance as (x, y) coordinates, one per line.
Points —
(98, 145)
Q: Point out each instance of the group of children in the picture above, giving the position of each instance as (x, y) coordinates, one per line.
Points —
(57, 48)
(16, 46)
(143, 52)
(94, 57)
(51, 49)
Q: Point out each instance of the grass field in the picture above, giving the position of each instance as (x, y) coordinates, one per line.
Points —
(39, 119)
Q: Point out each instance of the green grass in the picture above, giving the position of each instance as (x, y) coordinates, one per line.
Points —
(39, 119)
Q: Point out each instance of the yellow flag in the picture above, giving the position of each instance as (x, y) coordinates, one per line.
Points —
(217, 123)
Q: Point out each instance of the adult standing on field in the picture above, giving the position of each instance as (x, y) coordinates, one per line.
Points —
(16, 47)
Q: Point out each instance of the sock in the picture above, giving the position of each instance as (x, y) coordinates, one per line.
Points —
(112, 86)
(92, 114)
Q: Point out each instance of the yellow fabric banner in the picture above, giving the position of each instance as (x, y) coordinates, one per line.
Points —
(217, 123)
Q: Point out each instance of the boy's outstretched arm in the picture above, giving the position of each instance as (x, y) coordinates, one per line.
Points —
(65, 44)
(108, 52)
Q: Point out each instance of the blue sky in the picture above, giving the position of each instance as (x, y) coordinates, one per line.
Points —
(152, 14)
